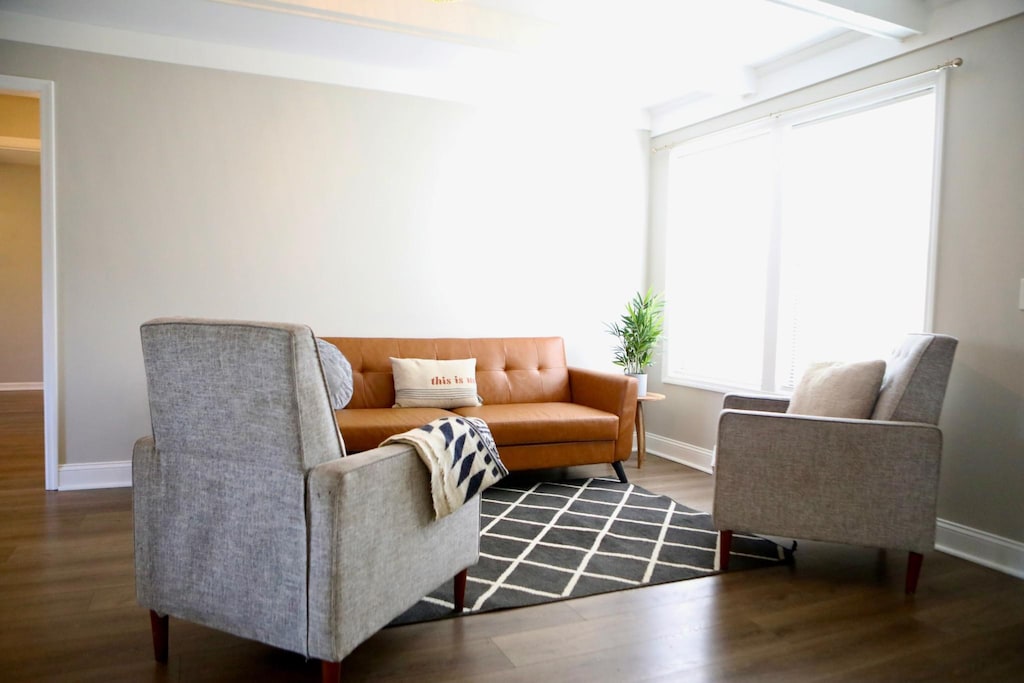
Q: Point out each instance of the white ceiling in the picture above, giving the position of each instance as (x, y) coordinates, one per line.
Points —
(639, 58)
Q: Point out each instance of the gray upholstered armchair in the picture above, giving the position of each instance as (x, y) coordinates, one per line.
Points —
(247, 518)
(864, 482)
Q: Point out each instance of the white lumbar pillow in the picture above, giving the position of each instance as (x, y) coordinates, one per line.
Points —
(429, 383)
(838, 389)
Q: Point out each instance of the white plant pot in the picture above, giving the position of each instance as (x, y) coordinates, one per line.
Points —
(641, 379)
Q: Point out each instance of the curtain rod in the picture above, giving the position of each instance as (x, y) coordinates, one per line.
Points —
(951, 64)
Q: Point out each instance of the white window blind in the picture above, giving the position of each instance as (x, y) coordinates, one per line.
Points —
(800, 238)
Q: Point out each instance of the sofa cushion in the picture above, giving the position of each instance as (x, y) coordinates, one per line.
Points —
(538, 423)
(367, 428)
(838, 389)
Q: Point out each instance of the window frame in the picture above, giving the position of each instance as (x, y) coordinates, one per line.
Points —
(777, 126)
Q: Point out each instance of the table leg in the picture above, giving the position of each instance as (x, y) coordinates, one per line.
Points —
(641, 436)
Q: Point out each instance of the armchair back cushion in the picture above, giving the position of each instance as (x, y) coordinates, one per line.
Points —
(243, 392)
(240, 413)
(916, 375)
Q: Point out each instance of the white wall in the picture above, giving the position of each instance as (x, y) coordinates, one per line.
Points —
(188, 191)
(980, 266)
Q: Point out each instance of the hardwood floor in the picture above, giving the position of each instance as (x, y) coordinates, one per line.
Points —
(68, 612)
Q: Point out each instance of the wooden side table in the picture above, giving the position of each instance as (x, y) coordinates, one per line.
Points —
(641, 433)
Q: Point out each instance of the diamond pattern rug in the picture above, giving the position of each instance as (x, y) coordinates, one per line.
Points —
(547, 541)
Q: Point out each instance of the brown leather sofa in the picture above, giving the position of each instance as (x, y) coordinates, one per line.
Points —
(541, 412)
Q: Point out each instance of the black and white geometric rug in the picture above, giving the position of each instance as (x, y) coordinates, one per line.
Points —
(548, 541)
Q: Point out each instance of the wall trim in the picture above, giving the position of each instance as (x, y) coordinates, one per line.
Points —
(95, 475)
(678, 451)
(980, 547)
(48, 245)
(842, 55)
(168, 49)
(464, 87)
(21, 386)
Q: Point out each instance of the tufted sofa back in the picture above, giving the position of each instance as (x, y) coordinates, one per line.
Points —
(508, 370)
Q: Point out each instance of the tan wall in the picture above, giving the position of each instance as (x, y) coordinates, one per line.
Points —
(190, 191)
(19, 116)
(21, 316)
(980, 266)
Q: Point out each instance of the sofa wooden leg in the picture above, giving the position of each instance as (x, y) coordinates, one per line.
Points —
(914, 561)
(159, 626)
(620, 471)
(460, 590)
(724, 545)
(330, 672)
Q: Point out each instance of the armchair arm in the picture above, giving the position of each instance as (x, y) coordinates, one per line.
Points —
(762, 403)
(375, 547)
(865, 482)
(611, 393)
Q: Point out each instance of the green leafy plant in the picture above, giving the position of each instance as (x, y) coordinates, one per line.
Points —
(639, 330)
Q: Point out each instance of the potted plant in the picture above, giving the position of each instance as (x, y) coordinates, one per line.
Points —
(639, 330)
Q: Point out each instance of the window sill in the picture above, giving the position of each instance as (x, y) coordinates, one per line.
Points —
(718, 387)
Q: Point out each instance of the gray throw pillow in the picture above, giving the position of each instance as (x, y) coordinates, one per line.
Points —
(838, 389)
(338, 372)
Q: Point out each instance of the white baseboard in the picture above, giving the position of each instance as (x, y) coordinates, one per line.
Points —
(94, 475)
(684, 453)
(981, 547)
(21, 386)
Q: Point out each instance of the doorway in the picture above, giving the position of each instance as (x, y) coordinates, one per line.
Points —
(18, 146)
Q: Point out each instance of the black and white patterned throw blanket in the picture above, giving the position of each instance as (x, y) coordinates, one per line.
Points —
(461, 456)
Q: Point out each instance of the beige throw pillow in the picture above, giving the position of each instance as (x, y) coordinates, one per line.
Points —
(428, 383)
(838, 389)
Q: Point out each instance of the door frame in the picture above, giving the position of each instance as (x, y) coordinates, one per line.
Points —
(48, 224)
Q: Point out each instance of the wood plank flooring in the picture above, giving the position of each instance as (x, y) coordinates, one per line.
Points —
(68, 612)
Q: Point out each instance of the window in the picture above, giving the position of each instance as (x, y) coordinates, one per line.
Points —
(804, 237)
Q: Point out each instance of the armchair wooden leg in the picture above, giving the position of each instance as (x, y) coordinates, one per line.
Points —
(724, 545)
(460, 590)
(914, 561)
(159, 625)
(620, 472)
(330, 672)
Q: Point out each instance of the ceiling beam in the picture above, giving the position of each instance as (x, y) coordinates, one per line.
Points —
(882, 18)
(467, 23)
